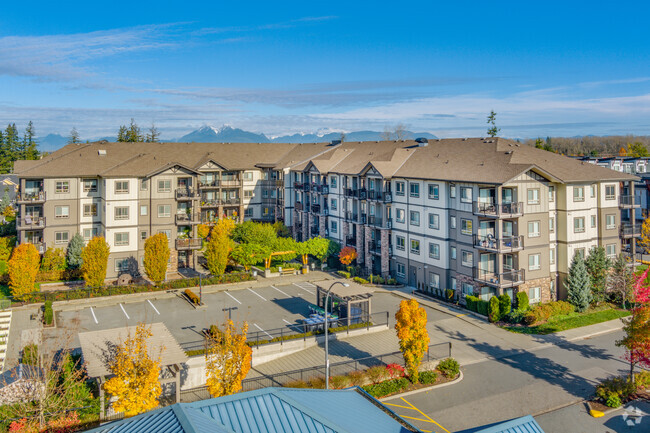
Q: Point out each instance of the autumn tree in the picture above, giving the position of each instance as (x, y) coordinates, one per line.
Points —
(622, 151)
(251, 232)
(203, 230)
(411, 327)
(347, 255)
(53, 260)
(637, 150)
(644, 240)
(156, 257)
(75, 248)
(492, 131)
(23, 267)
(227, 359)
(224, 226)
(248, 255)
(95, 260)
(135, 383)
(217, 251)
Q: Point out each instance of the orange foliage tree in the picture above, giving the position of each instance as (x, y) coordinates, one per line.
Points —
(156, 256)
(203, 230)
(23, 267)
(411, 327)
(347, 255)
(95, 260)
(227, 360)
(135, 384)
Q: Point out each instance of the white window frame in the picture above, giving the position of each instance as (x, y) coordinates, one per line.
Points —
(414, 218)
(610, 224)
(92, 187)
(58, 237)
(120, 214)
(465, 194)
(551, 193)
(164, 214)
(399, 188)
(578, 228)
(434, 221)
(551, 255)
(551, 224)
(121, 242)
(467, 258)
(534, 262)
(611, 255)
(434, 250)
(466, 226)
(164, 187)
(611, 196)
(401, 273)
(94, 231)
(535, 196)
(400, 243)
(414, 189)
(534, 233)
(452, 222)
(434, 191)
(452, 253)
(62, 187)
(537, 297)
(398, 218)
(60, 214)
(119, 187)
(415, 246)
(144, 210)
(578, 193)
(435, 280)
(93, 209)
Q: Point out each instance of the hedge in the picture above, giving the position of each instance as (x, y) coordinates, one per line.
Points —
(192, 297)
(48, 313)
(477, 305)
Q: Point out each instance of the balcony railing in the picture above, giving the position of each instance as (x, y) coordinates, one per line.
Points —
(315, 230)
(315, 208)
(351, 216)
(374, 195)
(298, 206)
(209, 203)
(508, 278)
(628, 201)
(505, 245)
(230, 202)
(374, 247)
(31, 197)
(349, 192)
(231, 183)
(363, 194)
(388, 197)
(363, 219)
(271, 183)
(374, 220)
(629, 230)
(187, 194)
(189, 244)
(498, 210)
(185, 218)
(351, 241)
(31, 222)
(209, 184)
(305, 187)
(325, 189)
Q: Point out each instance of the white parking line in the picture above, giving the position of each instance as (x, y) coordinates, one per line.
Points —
(306, 290)
(124, 311)
(262, 330)
(287, 322)
(253, 291)
(237, 300)
(93, 313)
(281, 292)
(308, 284)
(153, 306)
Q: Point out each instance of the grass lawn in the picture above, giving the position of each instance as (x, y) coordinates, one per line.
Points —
(570, 321)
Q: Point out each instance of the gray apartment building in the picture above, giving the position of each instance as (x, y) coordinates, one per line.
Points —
(476, 215)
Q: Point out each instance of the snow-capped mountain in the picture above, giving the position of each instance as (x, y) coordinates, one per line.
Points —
(225, 134)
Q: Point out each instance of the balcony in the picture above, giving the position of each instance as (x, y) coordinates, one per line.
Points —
(306, 187)
(189, 244)
(508, 278)
(298, 206)
(363, 219)
(271, 183)
(507, 244)
(628, 202)
(630, 230)
(297, 185)
(374, 195)
(230, 183)
(374, 220)
(498, 210)
(351, 241)
(388, 198)
(213, 203)
(205, 184)
(31, 222)
(315, 231)
(31, 197)
(40, 246)
(183, 194)
(363, 194)
(325, 189)
(315, 208)
(230, 201)
(374, 247)
(184, 218)
(351, 216)
(349, 192)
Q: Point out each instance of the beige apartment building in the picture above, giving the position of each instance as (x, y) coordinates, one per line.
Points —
(486, 216)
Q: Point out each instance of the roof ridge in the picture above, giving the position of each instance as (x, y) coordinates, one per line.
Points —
(184, 418)
(307, 411)
(139, 155)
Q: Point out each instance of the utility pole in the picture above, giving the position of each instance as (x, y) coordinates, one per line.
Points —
(229, 310)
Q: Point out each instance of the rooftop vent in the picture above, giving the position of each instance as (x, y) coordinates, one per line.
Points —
(465, 139)
(422, 142)
(101, 152)
(335, 142)
(508, 152)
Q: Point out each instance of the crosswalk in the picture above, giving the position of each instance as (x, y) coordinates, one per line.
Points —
(5, 322)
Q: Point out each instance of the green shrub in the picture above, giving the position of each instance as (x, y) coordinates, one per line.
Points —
(560, 308)
(344, 274)
(522, 300)
(613, 401)
(428, 377)
(192, 297)
(516, 316)
(339, 382)
(505, 305)
(30, 354)
(471, 302)
(387, 387)
(377, 374)
(392, 282)
(359, 280)
(482, 307)
(448, 367)
(494, 314)
(642, 380)
(614, 390)
(48, 313)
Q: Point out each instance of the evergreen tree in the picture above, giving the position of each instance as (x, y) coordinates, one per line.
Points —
(75, 247)
(6, 201)
(492, 131)
(10, 146)
(153, 135)
(74, 136)
(578, 284)
(130, 134)
(598, 266)
(30, 146)
(121, 134)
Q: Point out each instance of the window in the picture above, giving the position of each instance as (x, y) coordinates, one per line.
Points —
(533, 229)
(434, 282)
(465, 194)
(551, 256)
(167, 233)
(452, 222)
(452, 191)
(534, 294)
(143, 235)
(399, 215)
(454, 283)
(62, 187)
(90, 185)
(415, 218)
(265, 193)
(164, 210)
(265, 211)
(61, 237)
(121, 265)
(415, 246)
(579, 224)
(434, 250)
(61, 211)
(90, 210)
(610, 250)
(434, 221)
(164, 185)
(467, 259)
(248, 212)
(610, 221)
(122, 187)
(122, 213)
(415, 189)
(593, 221)
(248, 193)
(592, 191)
(551, 193)
(333, 182)
(399, 241)
(434, 191)
(580, 252)
(333, 204)
(335, 227)
(144, 210)
(534, 262)
(399, 188)
(551, 224)
(452, 253)
(248, 175)
(90, 233)
(610, 192)
(144, 184)
(467, 289)
(533, 195)
(578, 193)
(466, 226)
(121, 238)
(401, 270)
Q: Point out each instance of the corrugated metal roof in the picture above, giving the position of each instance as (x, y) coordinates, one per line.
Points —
(525, 424)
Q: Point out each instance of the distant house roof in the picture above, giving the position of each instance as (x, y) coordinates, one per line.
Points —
(525, 424)
(270, 410)
(352, 291)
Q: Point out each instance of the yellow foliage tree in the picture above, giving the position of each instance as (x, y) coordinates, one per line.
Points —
(156, 256)
(227, 360)
(23, 267)
(203, 230)
(644, 240)
(217, 252)
(95, 260)
(135, 384)
(224, 226)
(411, 327)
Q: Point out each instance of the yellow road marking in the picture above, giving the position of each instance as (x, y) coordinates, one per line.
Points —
(461, 315)
(417, 419)
(424, 414)
(398, 405)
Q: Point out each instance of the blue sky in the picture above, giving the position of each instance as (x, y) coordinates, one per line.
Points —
(547, 68)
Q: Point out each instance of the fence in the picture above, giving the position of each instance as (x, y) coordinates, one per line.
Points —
(297, 331)
(434, 352)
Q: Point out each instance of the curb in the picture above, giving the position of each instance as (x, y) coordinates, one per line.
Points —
(428, 388)
(437, 307)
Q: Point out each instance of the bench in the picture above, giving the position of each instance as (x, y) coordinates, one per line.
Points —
(287, 271)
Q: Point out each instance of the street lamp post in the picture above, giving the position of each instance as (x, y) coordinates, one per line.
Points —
(327, 358)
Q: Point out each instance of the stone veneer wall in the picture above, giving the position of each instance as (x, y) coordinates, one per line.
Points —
(322, 225)
(172, 266)
(545, 288)
(385, 256)
(367, 238)
(360, 240)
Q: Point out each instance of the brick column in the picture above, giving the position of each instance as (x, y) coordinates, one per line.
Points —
(344, 232)
(385, 254)
(360, 240)
(366, 242)
(322, 221)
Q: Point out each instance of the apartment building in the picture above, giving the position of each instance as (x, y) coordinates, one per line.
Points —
(487, 216)
(127, 192)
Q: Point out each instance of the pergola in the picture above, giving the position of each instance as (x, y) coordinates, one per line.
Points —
(98, 348)
(352, 302)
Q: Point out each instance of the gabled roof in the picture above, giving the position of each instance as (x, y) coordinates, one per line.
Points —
(525, 424)
(270, 410)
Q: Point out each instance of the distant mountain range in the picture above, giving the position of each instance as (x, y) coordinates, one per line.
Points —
(228, 134)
